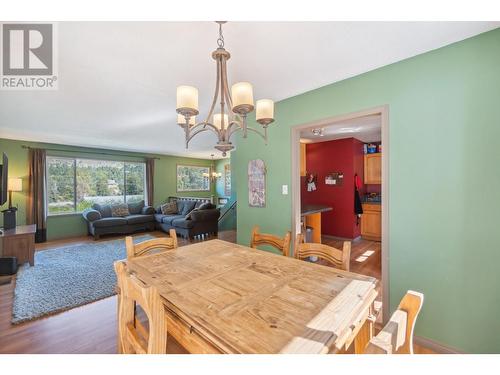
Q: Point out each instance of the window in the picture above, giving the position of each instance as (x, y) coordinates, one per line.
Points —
(76, 184)
(193, 178)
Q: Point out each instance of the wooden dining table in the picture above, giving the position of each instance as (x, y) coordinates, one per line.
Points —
(220, 297)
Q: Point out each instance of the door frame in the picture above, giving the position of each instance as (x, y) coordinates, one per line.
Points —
(383, 110)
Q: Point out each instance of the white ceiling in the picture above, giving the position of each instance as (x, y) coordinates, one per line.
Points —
(117, 80)
(366, 129)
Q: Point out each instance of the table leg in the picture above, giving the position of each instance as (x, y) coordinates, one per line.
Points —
(363, 337)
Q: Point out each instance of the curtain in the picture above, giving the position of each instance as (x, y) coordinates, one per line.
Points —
(150, 173)
(37, 210)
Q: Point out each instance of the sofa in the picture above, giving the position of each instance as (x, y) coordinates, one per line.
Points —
(194, 217)
(100, 220)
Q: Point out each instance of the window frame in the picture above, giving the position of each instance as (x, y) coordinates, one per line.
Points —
(209, 189)
(75, 159)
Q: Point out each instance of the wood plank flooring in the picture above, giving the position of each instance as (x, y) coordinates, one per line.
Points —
(92, 328)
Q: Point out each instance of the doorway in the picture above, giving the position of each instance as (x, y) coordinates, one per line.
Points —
(320, 129)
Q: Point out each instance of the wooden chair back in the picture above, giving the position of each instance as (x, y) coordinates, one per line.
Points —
(151, 246)
(397, 335)
(280, 243)
(133, 337)
(339, 258)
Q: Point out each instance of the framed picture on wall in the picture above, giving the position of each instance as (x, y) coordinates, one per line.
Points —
(227, 180)
(256, 183)
(192, 178)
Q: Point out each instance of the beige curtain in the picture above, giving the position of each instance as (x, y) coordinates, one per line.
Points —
(150, 173)
(37, 210)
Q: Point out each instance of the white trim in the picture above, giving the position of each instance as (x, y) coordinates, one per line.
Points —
(435, 346)
(295, 186)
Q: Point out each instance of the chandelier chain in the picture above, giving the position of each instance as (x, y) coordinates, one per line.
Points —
(220, 39)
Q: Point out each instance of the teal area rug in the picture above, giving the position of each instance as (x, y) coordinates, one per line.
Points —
(67, 277)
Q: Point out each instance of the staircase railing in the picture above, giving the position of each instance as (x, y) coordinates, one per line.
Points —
(230, 208)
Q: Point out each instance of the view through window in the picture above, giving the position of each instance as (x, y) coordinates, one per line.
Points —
(76, 184)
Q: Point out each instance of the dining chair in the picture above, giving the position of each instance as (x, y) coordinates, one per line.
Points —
(280, 243)
(397, 335)
(339, 258)
(151, 246)
(133, 336)
(144, 248)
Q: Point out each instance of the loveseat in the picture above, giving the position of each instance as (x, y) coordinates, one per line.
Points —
(100, 219)
(194, 217)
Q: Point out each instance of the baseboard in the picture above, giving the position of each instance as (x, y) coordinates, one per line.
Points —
(435, 346)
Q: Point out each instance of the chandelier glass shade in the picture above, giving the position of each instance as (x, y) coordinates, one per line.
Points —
(234, 105)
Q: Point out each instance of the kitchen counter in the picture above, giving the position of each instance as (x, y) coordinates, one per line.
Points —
(311, 217)
(309, 209)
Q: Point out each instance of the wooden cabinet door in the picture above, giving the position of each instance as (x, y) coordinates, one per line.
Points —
(373, 169)
(371, 225)
(302, 159)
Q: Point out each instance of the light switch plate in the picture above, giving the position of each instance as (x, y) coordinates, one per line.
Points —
(284, 189)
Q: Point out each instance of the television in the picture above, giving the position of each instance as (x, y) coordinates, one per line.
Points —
(4, 177)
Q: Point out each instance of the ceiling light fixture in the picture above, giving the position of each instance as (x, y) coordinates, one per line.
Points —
(213, 175)
(318, 132)
(228, 120)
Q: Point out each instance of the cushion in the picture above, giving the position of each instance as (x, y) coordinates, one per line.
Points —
(180, 206)
(167, 219)
(188, 207)
(207, 206)
(135, 208)
(110, 222)
(169, 208)
(139, 219)
(182, 223)
(104, 210)
(159, 217)
(198, 204)
(119, 210)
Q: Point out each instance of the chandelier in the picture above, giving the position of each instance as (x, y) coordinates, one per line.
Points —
(233, 108)
(213, 175)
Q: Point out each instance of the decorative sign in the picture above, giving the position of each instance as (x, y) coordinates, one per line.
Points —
(256, 183)
(227, 180)
(334, 179)
(311, 181)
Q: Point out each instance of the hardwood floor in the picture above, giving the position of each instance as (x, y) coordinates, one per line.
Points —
(92, 328)
(87, 329)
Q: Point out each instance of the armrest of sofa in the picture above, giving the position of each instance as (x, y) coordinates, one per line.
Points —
(205, 215)
(91, 215)
(147, 210)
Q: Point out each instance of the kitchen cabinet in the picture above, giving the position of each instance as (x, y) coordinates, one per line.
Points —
(371, 222)
(373, 168)
(302, 159)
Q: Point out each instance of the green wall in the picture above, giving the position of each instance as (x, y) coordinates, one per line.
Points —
(444, 113)
(61, 226)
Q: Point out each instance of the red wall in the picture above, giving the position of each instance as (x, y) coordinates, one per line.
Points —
(343, 155)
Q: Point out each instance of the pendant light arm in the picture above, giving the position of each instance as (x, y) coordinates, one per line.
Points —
(216, 94)
(201, 127)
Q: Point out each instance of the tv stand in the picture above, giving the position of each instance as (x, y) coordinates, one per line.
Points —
(19, 242)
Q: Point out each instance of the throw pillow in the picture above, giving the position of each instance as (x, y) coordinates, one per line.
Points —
(119, 210)
(169, 208)
(207, 206)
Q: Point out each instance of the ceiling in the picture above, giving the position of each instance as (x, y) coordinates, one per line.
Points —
(117, 80)
(366, 129)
